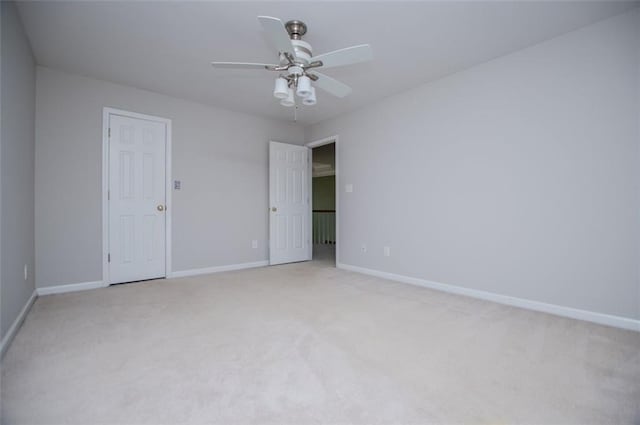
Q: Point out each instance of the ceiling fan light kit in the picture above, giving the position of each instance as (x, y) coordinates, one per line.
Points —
(281, 90)
(311, 99)
(289, 100)
(304, 86)
(297, 65)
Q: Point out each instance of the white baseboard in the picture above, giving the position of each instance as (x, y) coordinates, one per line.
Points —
(574, 313)
(218, 269)
(61, 289)
(13, 330)
(72, 287)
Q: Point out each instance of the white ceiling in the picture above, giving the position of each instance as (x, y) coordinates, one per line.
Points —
(166, 47)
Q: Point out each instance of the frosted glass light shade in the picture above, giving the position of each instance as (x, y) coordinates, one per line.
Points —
(281, 90)
(289, 100)
(311, 99)
(304, 86)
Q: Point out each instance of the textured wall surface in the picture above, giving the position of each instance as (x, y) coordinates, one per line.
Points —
(518, 176)
(221, 158)
(17, 167)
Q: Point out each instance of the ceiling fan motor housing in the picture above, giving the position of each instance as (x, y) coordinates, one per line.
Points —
(296, 30)
(303, 50)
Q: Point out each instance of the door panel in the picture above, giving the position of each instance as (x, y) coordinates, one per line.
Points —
(289, 203)
(137, 198)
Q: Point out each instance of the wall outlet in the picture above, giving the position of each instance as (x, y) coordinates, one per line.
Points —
(363, 248)
(26, 272)
(387, 251)
(254, 244)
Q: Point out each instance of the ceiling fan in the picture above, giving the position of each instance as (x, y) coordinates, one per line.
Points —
(297, 65)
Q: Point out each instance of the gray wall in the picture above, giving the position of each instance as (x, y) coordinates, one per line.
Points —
(519, 176)
(220, 156)
(17, 160)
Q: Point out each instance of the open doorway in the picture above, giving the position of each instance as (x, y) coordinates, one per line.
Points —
(324, 201)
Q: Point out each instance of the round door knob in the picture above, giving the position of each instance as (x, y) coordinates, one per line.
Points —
(274, 209)
(160, 207)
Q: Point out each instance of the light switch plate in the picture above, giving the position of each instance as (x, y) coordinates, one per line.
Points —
(348, 188)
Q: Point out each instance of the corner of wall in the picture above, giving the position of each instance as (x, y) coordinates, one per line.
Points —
(17, 225)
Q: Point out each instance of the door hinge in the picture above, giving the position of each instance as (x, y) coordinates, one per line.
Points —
(108, 195)
(109, 132)
(108, 258)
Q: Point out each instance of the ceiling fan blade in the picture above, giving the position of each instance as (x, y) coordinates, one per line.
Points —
(331, 86)
(277, 33)
(242, 65)
(346, 56)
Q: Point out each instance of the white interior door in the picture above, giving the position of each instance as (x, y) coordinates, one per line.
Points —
(289, 203)
(137, 199)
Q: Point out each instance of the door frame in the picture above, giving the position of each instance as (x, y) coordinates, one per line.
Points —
(106, 113)
(315, 144)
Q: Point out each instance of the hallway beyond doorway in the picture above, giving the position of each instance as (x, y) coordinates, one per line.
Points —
(324, 202)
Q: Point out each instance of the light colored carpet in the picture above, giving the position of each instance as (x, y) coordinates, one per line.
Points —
(309, 344)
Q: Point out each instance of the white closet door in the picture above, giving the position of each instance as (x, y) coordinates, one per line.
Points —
(137, 167)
